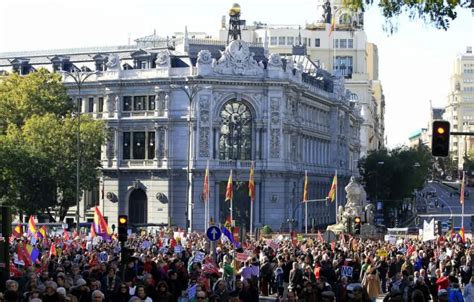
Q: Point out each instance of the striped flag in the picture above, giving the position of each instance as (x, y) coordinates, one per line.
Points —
(17, 231)
(205, 190)
(332, 192)
(305, 191)
(333, 25)
(462, 235)
(43, 232)
(229, 193)
(461, 197)
(32, 229)
(251, 184)
(101, 227)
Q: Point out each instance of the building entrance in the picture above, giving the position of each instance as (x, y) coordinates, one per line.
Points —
(137, 207)
(241, 204)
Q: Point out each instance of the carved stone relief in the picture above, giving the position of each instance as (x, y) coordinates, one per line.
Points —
(204, 125)
(237, 59)
(275, 143)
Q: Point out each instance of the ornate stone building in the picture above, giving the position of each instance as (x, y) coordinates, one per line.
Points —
(285, 115)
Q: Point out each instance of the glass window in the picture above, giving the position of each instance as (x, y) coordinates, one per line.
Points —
(126, 145)
(143, 64)
(139, 103)
(343, 64)
(138, 145)
(281, 40)
(290, 40)
(273, 40)
(101, 104)
(336, 43)
(90, 107)
(342, 43)
(151, 102)
(305, 41)
(127, 103)
(309, 42)
(151, 145)
(236, 131)
(317, 42)
(350, 43)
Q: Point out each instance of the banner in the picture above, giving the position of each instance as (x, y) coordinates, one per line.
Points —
(428, 230)
(242, 257)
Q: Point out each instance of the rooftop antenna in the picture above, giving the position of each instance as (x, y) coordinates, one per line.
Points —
(234, 24)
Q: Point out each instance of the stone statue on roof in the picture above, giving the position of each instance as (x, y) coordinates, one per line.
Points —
(114, 62)
(327, 16)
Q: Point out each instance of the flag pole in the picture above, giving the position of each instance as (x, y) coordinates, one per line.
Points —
(206, 199)
(231, 198)
(462, 198)
(251, 201)
(306, 217)
(336, 197)
(305, 200)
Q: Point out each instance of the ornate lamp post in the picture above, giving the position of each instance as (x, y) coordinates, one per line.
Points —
(79, 78)
(191, 91)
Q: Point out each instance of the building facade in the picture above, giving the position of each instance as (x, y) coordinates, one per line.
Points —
(341, 47)
(459, 110)
(231, 105)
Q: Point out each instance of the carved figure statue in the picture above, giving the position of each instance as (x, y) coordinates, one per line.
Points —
(340, 214)
(327, 16)
(353, 193)
(370, 213)
(204, 57)
(113, 62)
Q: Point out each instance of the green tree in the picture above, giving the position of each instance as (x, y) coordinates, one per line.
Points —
(391, 176)
(37, 93)
(437, 13)
(39, 145)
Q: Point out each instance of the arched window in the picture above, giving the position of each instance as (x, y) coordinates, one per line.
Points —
(236, 131)
(345, 19)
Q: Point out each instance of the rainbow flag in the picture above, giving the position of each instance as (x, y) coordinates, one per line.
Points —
(32, 229)
(100, 225)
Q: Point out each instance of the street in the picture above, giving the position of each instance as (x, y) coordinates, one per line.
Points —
(445, 204)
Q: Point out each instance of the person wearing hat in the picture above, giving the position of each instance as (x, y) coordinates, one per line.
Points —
(80, 291)
(50, 295)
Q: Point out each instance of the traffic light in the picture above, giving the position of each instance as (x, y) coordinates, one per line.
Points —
(357, 224)
(439, 226)
(122, 228)
(440, 138)
(450, 223)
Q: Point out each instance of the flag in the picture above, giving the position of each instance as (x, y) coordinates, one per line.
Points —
(66, 235)
(100, 225)
(228, 222)
(32, 229)
(17, 231)
(229, 193)
(227, 234)
(93, 233)
(205, 190)
(461, 233)
(251, 184)
(23, 254)
(410, 250)
(52, 250)
(332, 192)
(43, 232)
(333, 25)
(461, 197)
(75, 234)
(305, 190)
(34, 254)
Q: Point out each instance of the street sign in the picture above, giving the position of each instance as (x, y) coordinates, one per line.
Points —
(213, 233)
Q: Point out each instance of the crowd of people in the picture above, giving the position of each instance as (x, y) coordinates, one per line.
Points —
(167, 266)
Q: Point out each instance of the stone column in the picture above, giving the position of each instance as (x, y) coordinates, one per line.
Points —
(157, 142)
(116, 146)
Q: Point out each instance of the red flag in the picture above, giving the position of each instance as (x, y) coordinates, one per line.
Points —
(461, 233)
(17, 231)
(74, 234)
(14, 272)
(52, 250)
(66, 235)
(23, 254)
(410, 250)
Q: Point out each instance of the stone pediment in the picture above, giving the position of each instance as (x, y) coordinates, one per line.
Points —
(236, 59)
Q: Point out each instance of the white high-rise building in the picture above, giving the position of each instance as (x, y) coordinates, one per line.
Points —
(337, 42)
(459, 110)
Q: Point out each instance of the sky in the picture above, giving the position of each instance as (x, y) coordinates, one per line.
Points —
(414, 63)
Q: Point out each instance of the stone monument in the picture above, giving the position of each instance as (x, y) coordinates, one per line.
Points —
(356, 206)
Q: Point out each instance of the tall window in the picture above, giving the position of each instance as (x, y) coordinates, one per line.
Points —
(317, 42)
(343, 64)
(236, 131)
(90, 106)
(273, 40)
(101, 104)
(138, 145)
(281, 40)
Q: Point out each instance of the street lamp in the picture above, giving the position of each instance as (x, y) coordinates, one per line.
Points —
(191, 91)
(79, 78)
